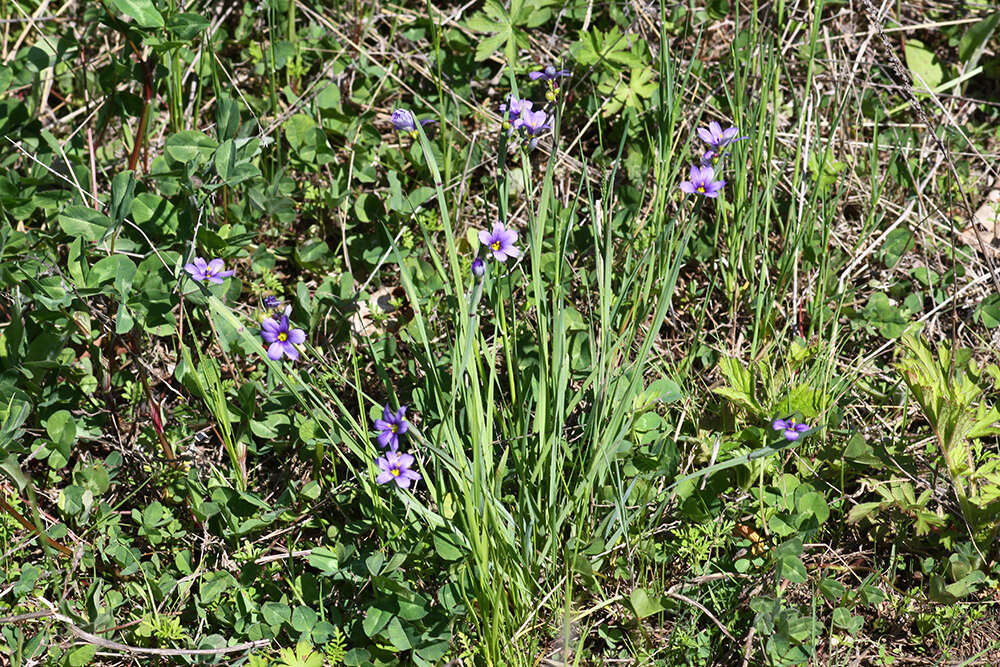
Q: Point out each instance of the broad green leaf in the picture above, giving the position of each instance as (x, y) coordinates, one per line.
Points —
(122, 194)
(83, 222)
(187, 25)
(61, 428)
(225, 160)
(143, 11)
(791, 568)
(214, 584)
(643, 604)
(117, 268)
(928, 72)
(189, 145)
(227, 117)
(884, 316)
(375, 620)
(304, 618)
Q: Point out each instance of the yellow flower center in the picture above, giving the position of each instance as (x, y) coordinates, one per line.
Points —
(282, 336)
(394, 428)
(495, 245)
(701, 188)
(395, 472)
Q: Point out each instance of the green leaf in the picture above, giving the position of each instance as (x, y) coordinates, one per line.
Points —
(117, 268)
(304, 618)
(397, 636)
(275, 613)
(227, 117)
(61, 428)
(81, 655)
(884, 316)
(927, 71)
(975, 39)
(815, 504)
(446, 547)
(80, 221)
(187, 25)
(374, 563)
(189, 145)
(791, 568)
(832, 589)
(11, 467)
(897, 243)
(225, 160)
(643, 604)
(122, 194)
(487, 47)
(214, 584)
(375, 620)
(988, 311)
(143, 11)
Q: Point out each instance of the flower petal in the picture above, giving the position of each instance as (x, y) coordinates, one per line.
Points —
(297, 336)
(384, 477)
(275, 350)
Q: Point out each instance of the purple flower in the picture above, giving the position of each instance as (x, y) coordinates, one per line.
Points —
(280, 337)
(271, 302)
(210, 271)
(550, 73)
(791, 428)
(514, 108)
(717, 138)
(712, 158)
(478, 267)
(390, 427)
(500, 242)
(703, 182)
(395, 467)
(403, 121)
(533, 122)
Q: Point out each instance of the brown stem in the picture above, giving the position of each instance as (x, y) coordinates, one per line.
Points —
(21, 519)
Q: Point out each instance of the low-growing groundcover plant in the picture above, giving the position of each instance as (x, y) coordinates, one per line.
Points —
(501, 334)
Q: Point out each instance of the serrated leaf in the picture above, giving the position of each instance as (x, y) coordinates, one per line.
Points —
(491, 45)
